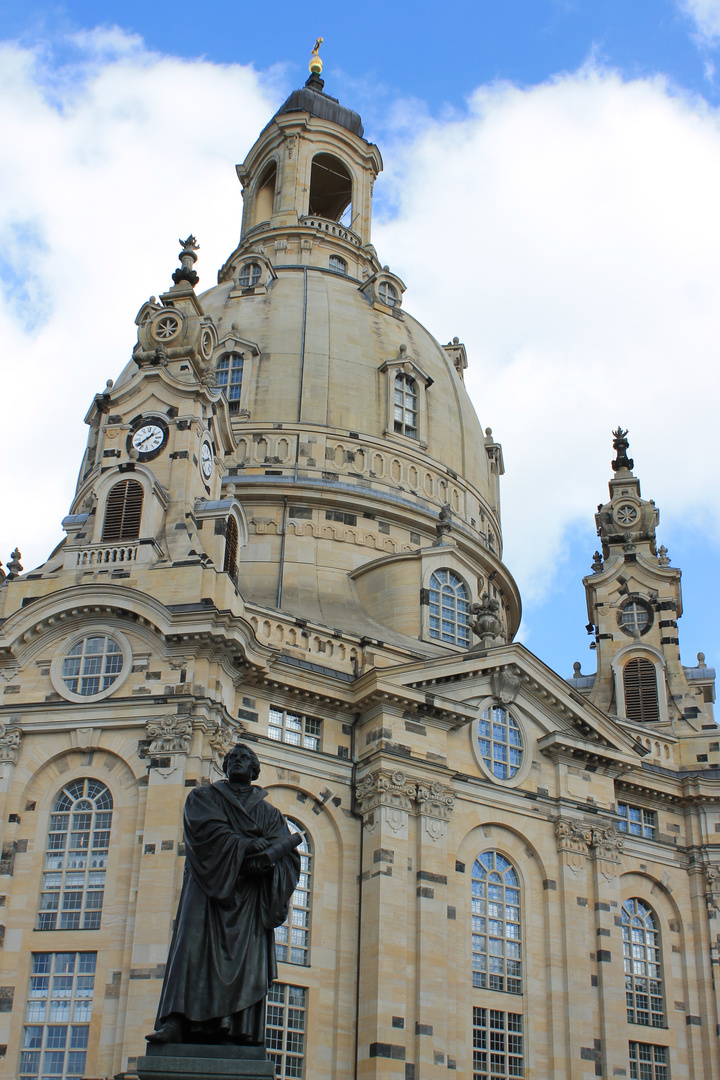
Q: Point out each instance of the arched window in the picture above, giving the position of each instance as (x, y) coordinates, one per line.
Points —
(123, 510)
(265, 195)
(292, 939)
(449, 608)
(643, 973)
(76, 857)
(641, 690)
(250, 274)
(230, 566)
(330, 187)
(406, 405)
(388, 294)
(500, 742)
(337, 265)
(229, 373)
(496, 937)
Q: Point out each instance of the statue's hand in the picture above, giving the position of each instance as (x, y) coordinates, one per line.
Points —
(256, 846)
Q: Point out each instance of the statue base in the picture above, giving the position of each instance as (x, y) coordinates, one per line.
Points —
(198, 1061)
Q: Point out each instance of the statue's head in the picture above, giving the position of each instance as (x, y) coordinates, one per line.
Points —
(243, 748)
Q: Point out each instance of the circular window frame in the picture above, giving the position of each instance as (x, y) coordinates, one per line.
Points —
(248, 265)
(628, 631)
(627, 504)
(521, 720)
(157, 319)
(101, 629)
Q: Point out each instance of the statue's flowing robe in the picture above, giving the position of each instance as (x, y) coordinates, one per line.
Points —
(222, 954)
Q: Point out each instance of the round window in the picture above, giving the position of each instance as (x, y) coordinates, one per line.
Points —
(388, 294)
(500, 742)
(635, 618)
(93, 666)
(626, 514)
(166, 327)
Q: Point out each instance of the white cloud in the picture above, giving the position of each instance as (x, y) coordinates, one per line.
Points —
(568, 233)
(706, 16)
(113, 158)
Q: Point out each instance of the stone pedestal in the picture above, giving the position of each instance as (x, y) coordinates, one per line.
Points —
(195, 1061)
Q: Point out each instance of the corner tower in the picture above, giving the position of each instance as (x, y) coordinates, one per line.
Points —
(634, 601)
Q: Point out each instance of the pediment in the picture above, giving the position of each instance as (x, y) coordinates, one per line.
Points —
(449, 691)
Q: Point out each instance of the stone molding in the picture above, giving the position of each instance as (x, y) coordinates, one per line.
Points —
(394, 790)
(170, 735)
(580, 838)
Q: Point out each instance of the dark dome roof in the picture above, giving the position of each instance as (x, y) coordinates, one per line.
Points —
(311, 99)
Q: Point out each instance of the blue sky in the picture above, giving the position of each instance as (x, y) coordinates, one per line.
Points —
(575, 247)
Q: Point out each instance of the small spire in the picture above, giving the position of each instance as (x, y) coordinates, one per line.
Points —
(316, 66)
(620, 446)
(187, 259)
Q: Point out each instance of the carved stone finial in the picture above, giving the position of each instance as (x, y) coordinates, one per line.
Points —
(663, 556)
(487, 624)
(577, 669)
(701, 659)
(444, 522)
(597, 563)
(187, 259)
(620, 446)
(14, 565)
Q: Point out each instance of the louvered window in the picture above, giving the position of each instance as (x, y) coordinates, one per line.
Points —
(641, 691)
(123, 511)
(231, 548)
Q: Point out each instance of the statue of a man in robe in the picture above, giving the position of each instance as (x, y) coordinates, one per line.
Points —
(241, 870)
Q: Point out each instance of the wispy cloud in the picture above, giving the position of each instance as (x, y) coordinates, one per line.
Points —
(706, 16)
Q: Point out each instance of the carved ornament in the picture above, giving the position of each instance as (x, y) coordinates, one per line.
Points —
(170, 735)
(10, 739)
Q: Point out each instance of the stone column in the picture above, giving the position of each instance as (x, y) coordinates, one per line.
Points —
(10, 742)
(385, 798)
(574, 997)
(434, 1048)
(605, 846)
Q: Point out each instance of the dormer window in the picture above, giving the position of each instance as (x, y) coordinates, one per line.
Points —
(337, 265)
(405, 417)
(250, 274)
(388, 294)
(229, 373)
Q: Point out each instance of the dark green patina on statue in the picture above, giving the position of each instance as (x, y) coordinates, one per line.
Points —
(241, 870)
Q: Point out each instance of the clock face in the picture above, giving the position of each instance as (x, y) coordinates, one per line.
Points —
(206, 460)
(149, 439)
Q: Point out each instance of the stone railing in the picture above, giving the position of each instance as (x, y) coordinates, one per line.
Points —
(107, 554)
(332, 228)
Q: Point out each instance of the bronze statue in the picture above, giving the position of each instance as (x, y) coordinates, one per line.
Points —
(241, 870)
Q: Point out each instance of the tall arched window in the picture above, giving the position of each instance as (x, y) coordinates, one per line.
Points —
(265, 195)
(449, 608)
(406, 406)
(292, 939)
(496, 934)
(232, 543)
(641, 690)
(123, 510)
(229, 373)
(330, 187)
(641, 957)
(76, 857)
